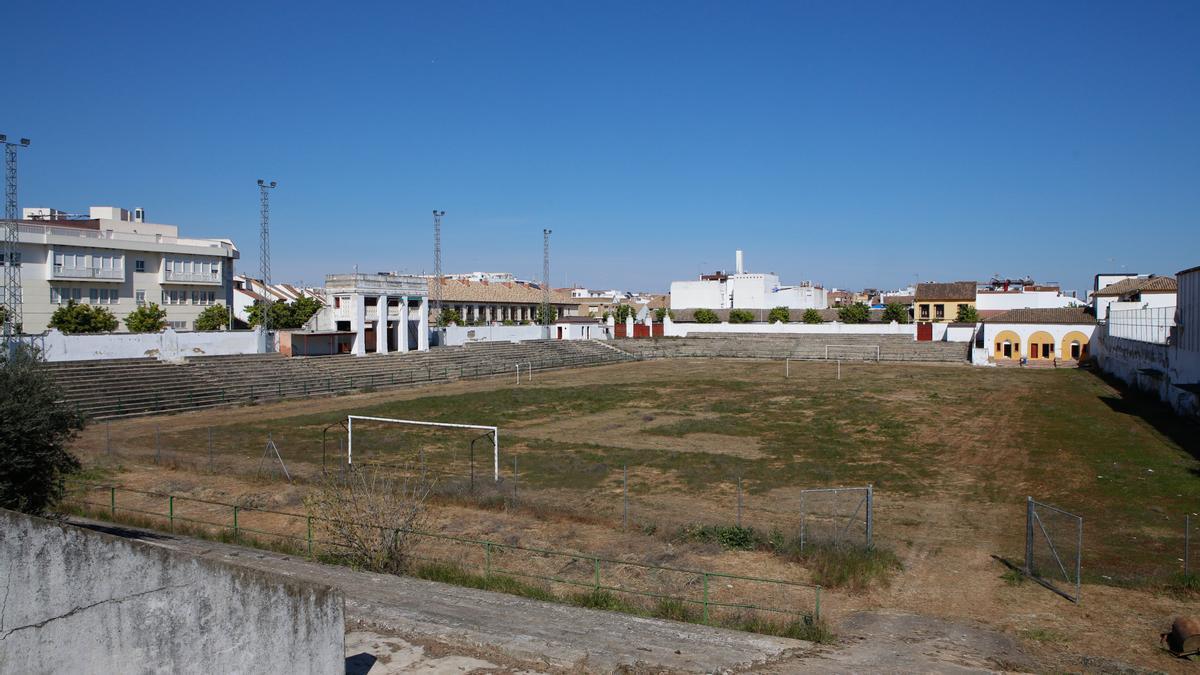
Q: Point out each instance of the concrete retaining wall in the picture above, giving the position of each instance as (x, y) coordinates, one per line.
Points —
(168, 345)
(80, 601)
(676, 329)
(1153, 368)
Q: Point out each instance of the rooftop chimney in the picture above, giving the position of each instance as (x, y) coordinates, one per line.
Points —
(739, 262)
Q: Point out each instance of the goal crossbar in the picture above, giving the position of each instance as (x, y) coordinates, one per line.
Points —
(494, 431)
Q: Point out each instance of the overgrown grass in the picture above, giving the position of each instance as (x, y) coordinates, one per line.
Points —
(855, 568)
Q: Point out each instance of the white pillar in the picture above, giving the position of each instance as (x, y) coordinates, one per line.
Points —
(667, 324)
(381, 329)
(402, 341)
(423, 330)
(629, 325)
(358, 324)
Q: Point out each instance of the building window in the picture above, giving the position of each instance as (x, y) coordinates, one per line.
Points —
(139, 265)
(939, 311)
(924, 311)
(139, 296)
(177, 325)
(60, 296)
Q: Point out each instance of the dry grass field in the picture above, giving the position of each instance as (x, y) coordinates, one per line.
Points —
(952, 452)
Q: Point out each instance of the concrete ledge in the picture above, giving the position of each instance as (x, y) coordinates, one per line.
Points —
(76, 600)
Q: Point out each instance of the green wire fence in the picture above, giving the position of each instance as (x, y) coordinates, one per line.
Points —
(707, 591)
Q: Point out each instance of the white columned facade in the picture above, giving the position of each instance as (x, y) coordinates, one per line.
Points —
(358, 324)
(402, 341)
(423, 330)
(381, 329)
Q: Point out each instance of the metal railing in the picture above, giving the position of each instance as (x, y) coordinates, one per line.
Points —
(192, 277)
(1149, 324)
(659, 582)
(88, 273)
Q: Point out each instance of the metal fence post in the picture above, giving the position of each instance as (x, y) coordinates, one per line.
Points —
(625, 500)
(310, 553)
(1079, 560)
(487, 559)
(235, 523)
(171, 511)
(112, 502)
(706, 597)
(515, 481)
(739, 502)
(596, 573)
(1029, 536)
(870, 515)
(787, 368)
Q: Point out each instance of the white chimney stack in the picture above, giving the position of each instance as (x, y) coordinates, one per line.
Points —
(739, 262)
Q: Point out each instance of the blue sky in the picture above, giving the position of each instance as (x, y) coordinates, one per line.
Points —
(854, 144)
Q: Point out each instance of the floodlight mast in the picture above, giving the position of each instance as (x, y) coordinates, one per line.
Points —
(10, 297)
(264, 251)
(546, 281)
(436, 297)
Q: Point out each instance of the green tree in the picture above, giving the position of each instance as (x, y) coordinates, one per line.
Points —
(780, 314)
(705, 316)
(812, 316)
(854, 313)
(38, 425)
(76, 318)
(449, 316)
(741, 316)
(284, 315)
(662, 313)
(303, 309)
(622, 312)
(895, 311)
(215, 317)
(540, 315)
(967, 314)
(149, 318)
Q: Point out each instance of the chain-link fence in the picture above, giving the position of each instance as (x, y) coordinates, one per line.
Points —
(1054, 548)
(837, 516)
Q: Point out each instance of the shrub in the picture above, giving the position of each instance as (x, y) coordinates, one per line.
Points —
(213, 318)
(369, 517)
(540, 316)
(812, 316)
(741, 316)
(967, 314)
(622, 312)
(76, 318)
(146, 319)
(705, 316)
(895, 311)
(732, 537)
(662, 313)
(449, 316)
(854, 313)
(780, 314)
(34, 461)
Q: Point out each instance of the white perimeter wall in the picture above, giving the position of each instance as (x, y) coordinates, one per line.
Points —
(1024, 330)
(674, 329)
(461, 335)
(168, 345)
(986, 300)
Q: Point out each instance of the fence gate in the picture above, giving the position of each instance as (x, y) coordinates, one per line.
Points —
(838, 516)
(1053, 548)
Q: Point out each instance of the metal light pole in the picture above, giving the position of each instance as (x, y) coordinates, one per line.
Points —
(264, 251)
(546, 281)
(435, 298)
(10, 255)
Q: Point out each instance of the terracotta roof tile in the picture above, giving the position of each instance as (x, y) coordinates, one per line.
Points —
(1139, 285)
(1057, 315)
(955, 290)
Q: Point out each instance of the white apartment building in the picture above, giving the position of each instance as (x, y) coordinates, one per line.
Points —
(743, 290)
(115, 259)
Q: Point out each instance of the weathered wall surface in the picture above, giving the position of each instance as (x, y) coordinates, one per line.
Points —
(168, 345)
(1155, 368)
(78, 601)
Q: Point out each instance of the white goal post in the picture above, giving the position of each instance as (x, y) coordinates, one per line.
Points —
(495, 431)
(875, 347)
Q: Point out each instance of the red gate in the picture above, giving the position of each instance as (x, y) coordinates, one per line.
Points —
(925, 332)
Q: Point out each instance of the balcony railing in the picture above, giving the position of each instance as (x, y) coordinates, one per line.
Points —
(83, 233)
(61, 272)
(192, 277)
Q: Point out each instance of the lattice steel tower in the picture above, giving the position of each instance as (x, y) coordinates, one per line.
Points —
(10, 255)
(264, 247)
(435, 298)
(546, 278)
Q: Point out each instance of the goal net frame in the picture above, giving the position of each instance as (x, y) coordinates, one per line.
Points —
(495, 432)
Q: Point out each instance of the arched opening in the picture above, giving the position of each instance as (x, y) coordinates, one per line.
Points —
(1075, 346)
(1007, 346)
(1041, 346)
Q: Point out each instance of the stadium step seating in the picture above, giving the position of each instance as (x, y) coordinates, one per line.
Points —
(797, 346)
(127, 387)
